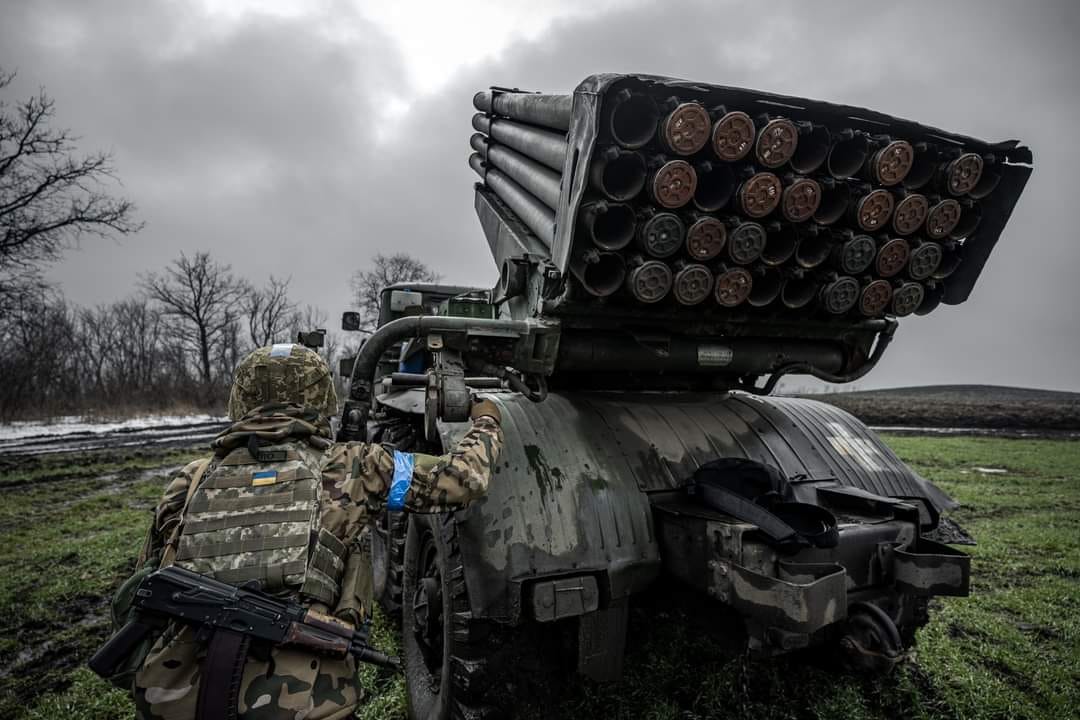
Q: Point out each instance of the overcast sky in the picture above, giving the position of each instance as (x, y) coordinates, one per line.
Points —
(300, 138)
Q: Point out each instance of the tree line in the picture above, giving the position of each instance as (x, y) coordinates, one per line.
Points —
(174, 342)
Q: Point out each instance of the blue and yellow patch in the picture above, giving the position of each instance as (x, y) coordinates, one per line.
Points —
(264, 477)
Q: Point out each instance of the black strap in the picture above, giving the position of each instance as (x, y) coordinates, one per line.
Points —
(222, 672)
(722, 499)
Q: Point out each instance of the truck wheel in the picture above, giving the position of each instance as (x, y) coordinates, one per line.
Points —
(446, 652)
(387, 557)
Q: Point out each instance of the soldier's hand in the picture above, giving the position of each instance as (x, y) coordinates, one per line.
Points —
(484, 407)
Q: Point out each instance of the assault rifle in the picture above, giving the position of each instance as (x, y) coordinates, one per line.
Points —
(174, 593)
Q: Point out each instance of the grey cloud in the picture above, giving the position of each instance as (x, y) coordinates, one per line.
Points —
(260, 144)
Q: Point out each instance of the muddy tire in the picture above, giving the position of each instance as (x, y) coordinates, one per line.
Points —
(448, 656)
(387, 559)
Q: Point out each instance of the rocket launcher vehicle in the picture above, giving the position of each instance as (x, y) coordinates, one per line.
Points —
(776, 234)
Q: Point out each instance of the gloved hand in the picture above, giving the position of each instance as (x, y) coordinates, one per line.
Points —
(484, 407)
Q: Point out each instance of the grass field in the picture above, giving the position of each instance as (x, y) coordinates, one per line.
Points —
(71, 526)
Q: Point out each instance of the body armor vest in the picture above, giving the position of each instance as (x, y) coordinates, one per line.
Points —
(256, 516)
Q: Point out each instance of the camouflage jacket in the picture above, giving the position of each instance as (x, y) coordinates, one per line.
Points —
(357, 481)
(356, 476)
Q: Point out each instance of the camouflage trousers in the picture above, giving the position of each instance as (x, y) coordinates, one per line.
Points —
(287, 685)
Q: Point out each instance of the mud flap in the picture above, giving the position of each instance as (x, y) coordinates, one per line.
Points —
(804, 599)
(931, 569)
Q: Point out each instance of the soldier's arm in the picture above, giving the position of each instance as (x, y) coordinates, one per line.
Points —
(373, 476)
(167, 513)
(445, 482)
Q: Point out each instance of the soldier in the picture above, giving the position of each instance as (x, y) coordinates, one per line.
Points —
(281, 504)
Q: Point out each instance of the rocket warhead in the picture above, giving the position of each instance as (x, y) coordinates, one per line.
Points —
(705, 238)
(733, 136)
(760, 194)
(733, 286)
(942, 218)
(910, 214)
(924, 260)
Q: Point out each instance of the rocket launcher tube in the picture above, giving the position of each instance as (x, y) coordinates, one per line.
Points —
(537, 217)
(551, 111)
(544, 146)
(529, 174)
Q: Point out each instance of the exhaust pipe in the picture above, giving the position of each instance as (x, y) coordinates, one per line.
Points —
(544, 146)
(962, 175)
(732, 135)
(910, 214)
(798, 290)
(779, 244)
(551, 111)
(537, 216)
(813, 249)
(892, 163)
(835, 197)
(631, 118)
(848, 154)
(776, 142)
(813, 148)
(855, 254)
(924, 260)
(873, 210)
(600, 273)
(923, 166)
(766, 287)
(649, 281)
(672, 184)
(540, 181)
(715, 185)
(932, 297)
(942, 218)
(760, 194)
(610, 225)
(907, 298)
(892, 257)
(686, 128)
(618, 174)
(745, 242)
(705, 238)
(875, 298)
(733, 286)
(693, 283)
(840, 294)
(661, 234)
(800, 199)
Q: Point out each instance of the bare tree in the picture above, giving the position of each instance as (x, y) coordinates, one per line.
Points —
(269, 311)
(385, 270)
(206, 298)
(49, 195)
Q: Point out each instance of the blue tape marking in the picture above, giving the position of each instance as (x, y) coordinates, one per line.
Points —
(264, 474)
(278, 350)
(403, 472)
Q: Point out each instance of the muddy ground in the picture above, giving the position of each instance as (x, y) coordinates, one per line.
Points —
(72, 522)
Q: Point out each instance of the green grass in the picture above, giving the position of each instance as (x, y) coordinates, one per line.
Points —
(1011, 650)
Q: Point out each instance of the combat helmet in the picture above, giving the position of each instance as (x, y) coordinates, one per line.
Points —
(282, 373)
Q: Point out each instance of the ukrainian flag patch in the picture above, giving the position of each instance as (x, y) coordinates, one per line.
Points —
(264, 477)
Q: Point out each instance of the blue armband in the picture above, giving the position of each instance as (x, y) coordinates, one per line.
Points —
(399, 487)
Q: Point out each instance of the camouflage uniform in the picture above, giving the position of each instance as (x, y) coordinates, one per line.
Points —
(356, 479)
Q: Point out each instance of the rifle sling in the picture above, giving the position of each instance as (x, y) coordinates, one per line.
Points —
(223, 670)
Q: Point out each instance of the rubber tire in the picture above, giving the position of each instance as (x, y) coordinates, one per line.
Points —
(467, 651)
(387, 560)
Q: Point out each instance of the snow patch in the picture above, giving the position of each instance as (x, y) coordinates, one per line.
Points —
(74, 425)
